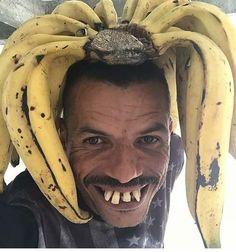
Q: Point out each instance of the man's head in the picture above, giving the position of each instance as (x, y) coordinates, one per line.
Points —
(116, 133)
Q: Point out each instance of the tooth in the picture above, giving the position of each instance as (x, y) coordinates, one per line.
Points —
(107, 195)
(115, 198)
(126, 197)
(137, 194)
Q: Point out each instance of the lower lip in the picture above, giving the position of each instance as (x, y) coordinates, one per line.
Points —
(122, 206)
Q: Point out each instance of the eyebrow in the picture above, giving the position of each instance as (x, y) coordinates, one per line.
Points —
(92, 131)
(156, 127)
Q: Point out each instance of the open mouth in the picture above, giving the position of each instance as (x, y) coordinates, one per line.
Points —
(124, 198)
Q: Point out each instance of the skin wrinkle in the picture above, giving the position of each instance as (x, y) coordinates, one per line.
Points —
(141, 100)
(120, 156)
(96, 119)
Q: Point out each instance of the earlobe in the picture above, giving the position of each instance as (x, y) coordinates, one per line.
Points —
(62, 132)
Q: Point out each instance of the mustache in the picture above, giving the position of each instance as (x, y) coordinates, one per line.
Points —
(108, 181)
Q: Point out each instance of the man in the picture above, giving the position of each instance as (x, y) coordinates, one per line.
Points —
(117, 133)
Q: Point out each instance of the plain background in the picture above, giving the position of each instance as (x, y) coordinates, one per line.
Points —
(181, 231)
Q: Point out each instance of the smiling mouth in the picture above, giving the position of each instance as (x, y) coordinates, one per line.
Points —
(122, 198)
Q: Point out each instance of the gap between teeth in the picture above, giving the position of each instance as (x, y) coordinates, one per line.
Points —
(115, 196)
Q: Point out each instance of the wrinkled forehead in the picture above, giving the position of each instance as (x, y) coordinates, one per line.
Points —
(95, 98)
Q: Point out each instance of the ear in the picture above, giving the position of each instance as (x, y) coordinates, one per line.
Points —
(62, 131)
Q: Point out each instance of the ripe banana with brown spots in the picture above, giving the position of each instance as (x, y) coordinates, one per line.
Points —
(213, 132)
(78, 10)
(202, 106)
(107, 13)
(128, 10)
(9, 59)
(208, 20)
(190, 80)
(144, 8)
(15, 158)
(167, 62)
(49, 24)
(152, 20)
(56, 184)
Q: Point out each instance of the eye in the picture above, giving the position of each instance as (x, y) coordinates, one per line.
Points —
(93, 140)
(148, 139)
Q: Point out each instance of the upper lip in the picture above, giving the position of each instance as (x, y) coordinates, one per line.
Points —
(119, 189)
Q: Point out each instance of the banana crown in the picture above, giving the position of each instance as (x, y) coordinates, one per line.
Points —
(193, 42)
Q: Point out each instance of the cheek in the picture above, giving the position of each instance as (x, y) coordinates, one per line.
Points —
(98, 163)
(156, 164)
(82, 164)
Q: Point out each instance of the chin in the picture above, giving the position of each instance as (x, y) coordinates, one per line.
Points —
(124, 218)
(123, 224)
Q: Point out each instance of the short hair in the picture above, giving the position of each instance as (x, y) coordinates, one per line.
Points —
(120, 75)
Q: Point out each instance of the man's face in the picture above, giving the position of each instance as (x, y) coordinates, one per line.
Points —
(115, 136)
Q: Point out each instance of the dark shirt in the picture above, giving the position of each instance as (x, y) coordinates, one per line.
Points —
(28, 220)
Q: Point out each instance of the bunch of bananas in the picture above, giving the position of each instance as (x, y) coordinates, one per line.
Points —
(194, 43)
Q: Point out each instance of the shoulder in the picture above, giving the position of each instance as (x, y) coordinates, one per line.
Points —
(18, 225)
(22, 182)
(22, 191)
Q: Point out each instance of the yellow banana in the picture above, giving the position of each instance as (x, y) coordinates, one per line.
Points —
(158, 13)
(141, 11)
(49, 24)
(213, 129)
(56, 184)
(154, 3)
(167, 62)
(190, 80)
(209, 20)
(107, 13)
(128, 10)
(136, 11)
(8, 61)
(195, 88)
(55, 75)
(15, 159)
(5, 154)
(182, 61)
(79, 10)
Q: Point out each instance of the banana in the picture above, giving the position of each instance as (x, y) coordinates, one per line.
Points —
(179, 109)
(36, 57)
(128, 11)
(213, 131)
(182, 61)
(137, 11)
(5, 154)
(107, 13)
(8, 61)
(190, 79)
(167, 62)
(80, 11)
(56, 184)
(154, 3)
(15, 159)
(195, 88)
(49, 24)
(141, 11)
(160, 11)
(209, 20)
(55, 74)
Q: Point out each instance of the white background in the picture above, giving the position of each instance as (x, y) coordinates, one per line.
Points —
(181, 231)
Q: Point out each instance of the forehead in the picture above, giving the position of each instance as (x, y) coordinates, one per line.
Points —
(106, 103)
(88, 93)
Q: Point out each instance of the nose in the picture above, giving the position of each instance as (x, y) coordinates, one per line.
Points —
(125, 165)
